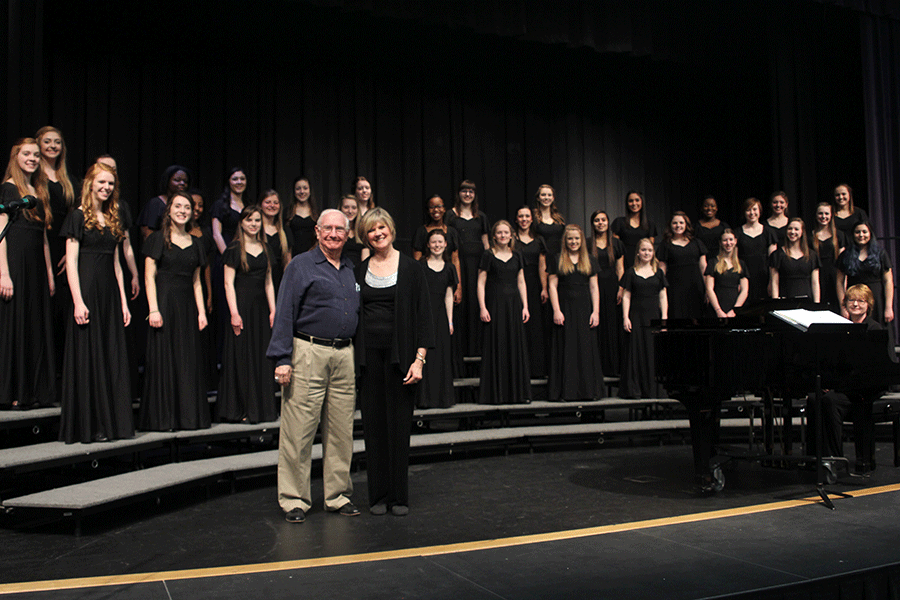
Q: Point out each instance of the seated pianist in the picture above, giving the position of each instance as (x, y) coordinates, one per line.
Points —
(855, 402)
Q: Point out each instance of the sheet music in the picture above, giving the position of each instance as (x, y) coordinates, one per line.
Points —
(803, 318)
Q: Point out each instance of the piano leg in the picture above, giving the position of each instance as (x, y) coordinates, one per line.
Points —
(704, 420)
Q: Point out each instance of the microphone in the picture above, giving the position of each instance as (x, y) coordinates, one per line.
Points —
(20, 204)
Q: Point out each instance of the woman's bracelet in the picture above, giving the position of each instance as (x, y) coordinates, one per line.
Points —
(420, 357)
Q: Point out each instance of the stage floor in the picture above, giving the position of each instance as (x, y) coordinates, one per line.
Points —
(616, 522)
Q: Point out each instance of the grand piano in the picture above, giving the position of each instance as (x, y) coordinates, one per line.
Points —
(703, 364)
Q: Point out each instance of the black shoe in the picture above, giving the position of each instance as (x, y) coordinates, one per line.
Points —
(295, 515)
(379, 509)
(347, 510)
(399, 510)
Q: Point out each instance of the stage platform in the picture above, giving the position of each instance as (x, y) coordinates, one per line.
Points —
(621, 523)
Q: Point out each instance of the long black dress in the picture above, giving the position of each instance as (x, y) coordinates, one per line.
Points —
(794, 274)
(576, 372)
(208, 335)
(96, 388)
(436, 387)
(610, 335)
(229, 219)
(727, 285)
(27, 354)
(275, 256)
(536, 331)
(755, 252)
(62, 299)
(303, 232)
(175, 375)
(353, 250)
(685, 281)
(631, 236)
(466, 314)
(828, 269)
(504, 361)
(639, 371)
(247, 383)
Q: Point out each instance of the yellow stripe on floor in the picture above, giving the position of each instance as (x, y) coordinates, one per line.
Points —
(136, 578)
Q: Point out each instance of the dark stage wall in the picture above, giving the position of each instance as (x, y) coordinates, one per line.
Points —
(678, 100)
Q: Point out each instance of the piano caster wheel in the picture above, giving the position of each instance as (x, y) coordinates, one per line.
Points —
(830, 473)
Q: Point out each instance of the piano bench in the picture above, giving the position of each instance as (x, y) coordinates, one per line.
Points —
(887, 410)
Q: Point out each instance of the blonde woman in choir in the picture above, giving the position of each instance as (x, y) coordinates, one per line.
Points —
(846, 215)
(644, 299)
(27, 354)
(795, 269)
(505, 377)
(727, 285)
(436, 388)
(354, 249)
(576, 372)
(277, 237)
(828, 242)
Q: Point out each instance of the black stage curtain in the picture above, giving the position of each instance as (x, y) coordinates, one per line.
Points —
(676, 100)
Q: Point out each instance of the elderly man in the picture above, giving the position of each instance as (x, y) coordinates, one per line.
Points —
(316, 317)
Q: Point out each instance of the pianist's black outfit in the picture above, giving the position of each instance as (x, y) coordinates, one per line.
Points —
(837, 405)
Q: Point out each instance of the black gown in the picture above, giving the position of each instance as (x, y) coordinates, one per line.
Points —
(27, 353)
(504, 361)
(96, 387)
(175, 374)
(276, 257)
(552, 235)
(828, 270)
(794, 274)
(208, 335)
(536, 331)
(610, 335)
(230, 220)
(62, 300)
(639, 371)
(247, 382)
(780, 234)
(755, 252)
(631, 236)
(710, 236)
(436, 388)
(466, 314)
(685, 281)
(727, 285)
(576, 372)
(846, 224)
(303, 232)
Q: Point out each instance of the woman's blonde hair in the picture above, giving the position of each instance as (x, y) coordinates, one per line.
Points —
(654, 263)
(566, 266)
(721, 265)
(62, 171)
(373, 217)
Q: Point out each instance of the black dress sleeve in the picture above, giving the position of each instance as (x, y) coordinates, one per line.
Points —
(73, 227)
(154, 245)
(485, 263)
(595, 266)
(419, 237)
(232, 257)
